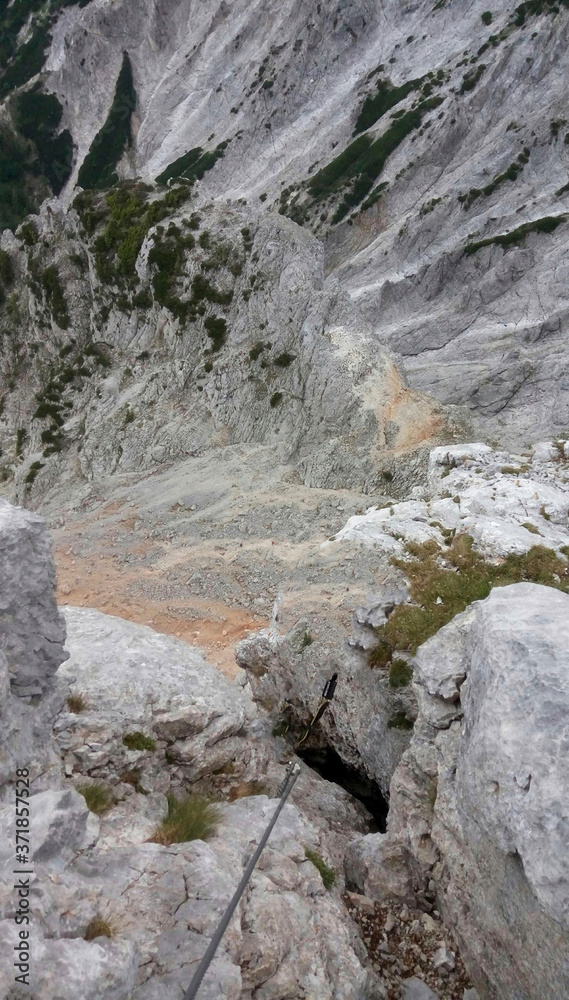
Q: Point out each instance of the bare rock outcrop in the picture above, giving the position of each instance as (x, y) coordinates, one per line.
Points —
(32, 636)
(479, 799)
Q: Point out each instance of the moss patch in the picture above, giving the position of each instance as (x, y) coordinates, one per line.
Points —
(327, 874)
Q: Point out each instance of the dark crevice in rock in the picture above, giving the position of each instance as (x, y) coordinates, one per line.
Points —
(329, 765)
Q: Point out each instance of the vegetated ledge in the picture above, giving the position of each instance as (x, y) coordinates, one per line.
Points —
(510, 174)
(361, 163)
(546, 225)
(193, 164)
(443, 582)
(385, 98)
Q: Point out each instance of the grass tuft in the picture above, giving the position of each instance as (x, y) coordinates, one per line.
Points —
(99, 797)
(99, 927)
(192, 818)
(76, 703)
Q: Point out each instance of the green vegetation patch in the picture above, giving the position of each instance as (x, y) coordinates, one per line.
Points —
(386, 97)
(216, 328)
(284, 360)
(514, 238)
(99, 167)
(168, 257)
(531, 8)
(510, 174)
(360, 164)
(99, 797)
(55, 296)
(193, 164)
(30, 479)
(444, 582)
(128, 215)
(192, 818)
(20, 62)
(400, 673)
(471, 79)
(37, 117)
(327, 874)
(138, 741)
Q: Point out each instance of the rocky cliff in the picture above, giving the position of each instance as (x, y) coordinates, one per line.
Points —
(423, 143)
(263, 271)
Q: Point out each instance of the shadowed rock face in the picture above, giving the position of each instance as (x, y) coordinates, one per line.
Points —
(493, 693)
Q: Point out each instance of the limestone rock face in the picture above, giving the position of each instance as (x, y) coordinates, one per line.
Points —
(136, 681)
(328, 607)
(32, 636)
(507, 503)
(285, 88)
(32, 633)
(493, 693)
(270, 358)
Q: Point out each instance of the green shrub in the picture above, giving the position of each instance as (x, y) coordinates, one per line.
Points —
(37, 117)
(487, 17)
(276, 399)
(55, 296)
(7, 272)
(216, 328)
(21, 437)
(138, 741)
(192, 818)
(257, 350)
(193, 164)
(284, 360)
(99, 797)
(29, 233)
(471, 79)
(360, 164)
(327, 874)
(32, 473)
(202, 290)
